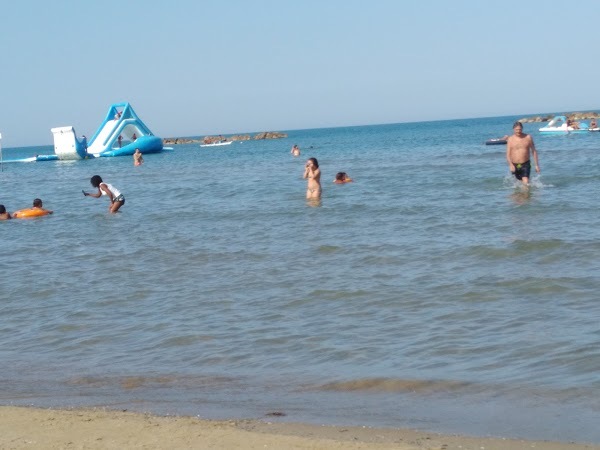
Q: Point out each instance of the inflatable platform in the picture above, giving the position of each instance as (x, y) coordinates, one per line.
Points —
(121, 132)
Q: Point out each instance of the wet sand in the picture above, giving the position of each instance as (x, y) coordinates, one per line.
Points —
(30, 428)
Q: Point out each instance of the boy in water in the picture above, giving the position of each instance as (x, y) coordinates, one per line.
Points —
(37, 204)
(519, 147)
(341, 178)
(4, 215)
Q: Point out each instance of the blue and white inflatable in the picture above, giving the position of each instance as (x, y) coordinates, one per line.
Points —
(121, 132)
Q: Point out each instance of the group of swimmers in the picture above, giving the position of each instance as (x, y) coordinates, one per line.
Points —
(117, 199)
(313, 174)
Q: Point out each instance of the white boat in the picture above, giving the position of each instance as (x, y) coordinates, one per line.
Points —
(559, 125)
(216, 144)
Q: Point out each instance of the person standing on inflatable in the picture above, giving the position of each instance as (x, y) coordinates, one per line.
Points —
(116, 198)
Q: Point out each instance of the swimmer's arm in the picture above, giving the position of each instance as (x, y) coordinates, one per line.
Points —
(96, 195)
(535, 157)
(306, 172)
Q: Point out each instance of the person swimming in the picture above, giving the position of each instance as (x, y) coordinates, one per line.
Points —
(341, 178)
(4, 215)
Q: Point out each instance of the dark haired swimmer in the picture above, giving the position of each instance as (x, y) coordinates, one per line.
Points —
(37, 204)
(116, 198)
(313, 173)
(341, 178)
(4, 215)
(519, 147)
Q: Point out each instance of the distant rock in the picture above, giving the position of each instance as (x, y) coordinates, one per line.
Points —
(572, 116)
(270, 135)
(236, 137)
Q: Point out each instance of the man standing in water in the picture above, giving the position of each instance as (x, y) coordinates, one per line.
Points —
(519, 146)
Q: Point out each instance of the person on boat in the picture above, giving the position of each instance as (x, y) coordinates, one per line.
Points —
(116, 198)
(4, 215)
(295, 150)
(313, 174)
(519, 149)
(593, 124)
(341, 178)
(138, 159)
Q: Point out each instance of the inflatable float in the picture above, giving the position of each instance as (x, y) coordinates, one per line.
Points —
(29, 213)
(498, 141)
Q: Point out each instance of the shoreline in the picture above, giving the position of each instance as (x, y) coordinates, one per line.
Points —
(53, 429)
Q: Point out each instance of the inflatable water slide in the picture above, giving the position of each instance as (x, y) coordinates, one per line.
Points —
(121, 132)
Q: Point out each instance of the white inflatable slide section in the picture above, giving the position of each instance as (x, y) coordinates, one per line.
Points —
(98, 146)
(64, 143)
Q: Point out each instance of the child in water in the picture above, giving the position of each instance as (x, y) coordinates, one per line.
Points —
(341, 178)
(116, 198)
(36, 210)
(4, 215)
(138, 159)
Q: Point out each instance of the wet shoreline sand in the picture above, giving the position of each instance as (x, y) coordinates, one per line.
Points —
(24, 427)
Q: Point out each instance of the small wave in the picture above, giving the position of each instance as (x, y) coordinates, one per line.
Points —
(394, 385)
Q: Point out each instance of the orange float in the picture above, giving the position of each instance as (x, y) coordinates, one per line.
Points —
(30, 212)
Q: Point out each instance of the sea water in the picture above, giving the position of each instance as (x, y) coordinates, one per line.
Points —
(432, 292)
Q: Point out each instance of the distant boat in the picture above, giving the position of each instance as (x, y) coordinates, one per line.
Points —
(498, 141)
(216, 144)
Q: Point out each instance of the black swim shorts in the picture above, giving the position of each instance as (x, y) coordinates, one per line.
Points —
(120, 198)
(522, 170)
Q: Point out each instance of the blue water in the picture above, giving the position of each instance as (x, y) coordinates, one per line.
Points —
(430, 293)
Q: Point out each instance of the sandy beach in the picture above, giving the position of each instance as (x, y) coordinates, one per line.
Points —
(28, 428)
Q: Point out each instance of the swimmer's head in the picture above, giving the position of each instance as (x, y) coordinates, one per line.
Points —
(2, 209)
(340, 176)
(517, 124)
(314, 161)
(37, 203)
(96, 180)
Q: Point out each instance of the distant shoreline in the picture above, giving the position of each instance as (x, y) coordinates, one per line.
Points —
(570, 115)
(219, 138)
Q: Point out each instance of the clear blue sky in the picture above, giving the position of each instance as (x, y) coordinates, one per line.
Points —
(195, 67)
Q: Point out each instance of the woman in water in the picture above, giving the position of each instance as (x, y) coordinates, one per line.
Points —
(313, 173)
(116, 198)
(138, 159)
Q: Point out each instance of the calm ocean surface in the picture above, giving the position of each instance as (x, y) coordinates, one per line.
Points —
(430, 293)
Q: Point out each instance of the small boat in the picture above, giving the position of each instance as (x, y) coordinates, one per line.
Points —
(560, 124)
(497, 141)
(216, 144)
